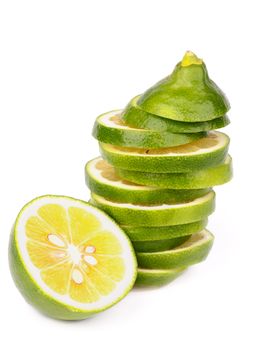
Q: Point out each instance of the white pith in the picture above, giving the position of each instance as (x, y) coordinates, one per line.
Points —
(106, 121)
(107, 224)
(221, 138)
(97, 174)
(194, 202)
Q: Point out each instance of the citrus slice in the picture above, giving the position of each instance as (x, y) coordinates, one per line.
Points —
(102, 179)
(136, 117)
(198, 179)
(147, 233)
(69, 259)
(157, 215)
(159, 245)
(193, 251)
(203, 153)
(188, 94)
(157, 278)
(109, 128)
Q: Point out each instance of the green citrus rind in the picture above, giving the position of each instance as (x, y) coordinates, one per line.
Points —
(159, 245)
(185, 158)
(147, 233)
(109, 128)
(42, 299)
(204, 178)
(188, 94)
(111, 186)
(193, 251)
(157, 215)
(157, 278)
(134, 116)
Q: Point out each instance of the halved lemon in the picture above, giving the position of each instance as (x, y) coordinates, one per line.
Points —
(102, 179)
(110, 128)
(136, 117)
(193, 251)
(69, 259)
(157, 277)
(203, 153)
(157, 215)
(188, 181)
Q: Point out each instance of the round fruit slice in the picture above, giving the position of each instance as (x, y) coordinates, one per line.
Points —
(203, 153)
(159, 245)
(188, 94)
(204, 178)
(157, 215)
(190, 252)
(69, 259)
(157, 278)
(102, 179)
(147, 233)
(109, 128)
(135, 117)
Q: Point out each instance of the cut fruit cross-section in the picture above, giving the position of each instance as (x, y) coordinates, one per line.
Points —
(103, 180)
(136, 117)
(110, 128)
(157, 278)
(188, 181)
(203, 153)
(193, 251)
(157, 215)
(69, 259)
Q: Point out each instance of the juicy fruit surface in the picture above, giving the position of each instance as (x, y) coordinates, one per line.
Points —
(134, 116)
(157, 278)
(207, 151)
(193, 251)
(102, 179)
(74, 253)
(189, 181)
(110, 128)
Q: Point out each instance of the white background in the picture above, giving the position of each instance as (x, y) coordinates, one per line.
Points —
(64, 62)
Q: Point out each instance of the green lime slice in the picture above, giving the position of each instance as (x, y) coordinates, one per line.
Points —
(109, 128)
(198, 179)
(147, 233)
(135, 117)
(188, 94)
(203, 153)
(159, 245)
(157, 215)
(157, 278)
(102, 179)
(69, 259)
(190, 252)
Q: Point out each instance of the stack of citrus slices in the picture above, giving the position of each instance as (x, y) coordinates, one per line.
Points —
(161, 156)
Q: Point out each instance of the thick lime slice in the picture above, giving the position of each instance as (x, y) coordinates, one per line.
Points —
(109, 128)
(204, 178)
(203, 153)
(157, 215)
(102, 179)
(157, 278)
(69, 259)
(147, 233)
(188, 94)
(136, 117)
(159, 245)
(190, 252)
